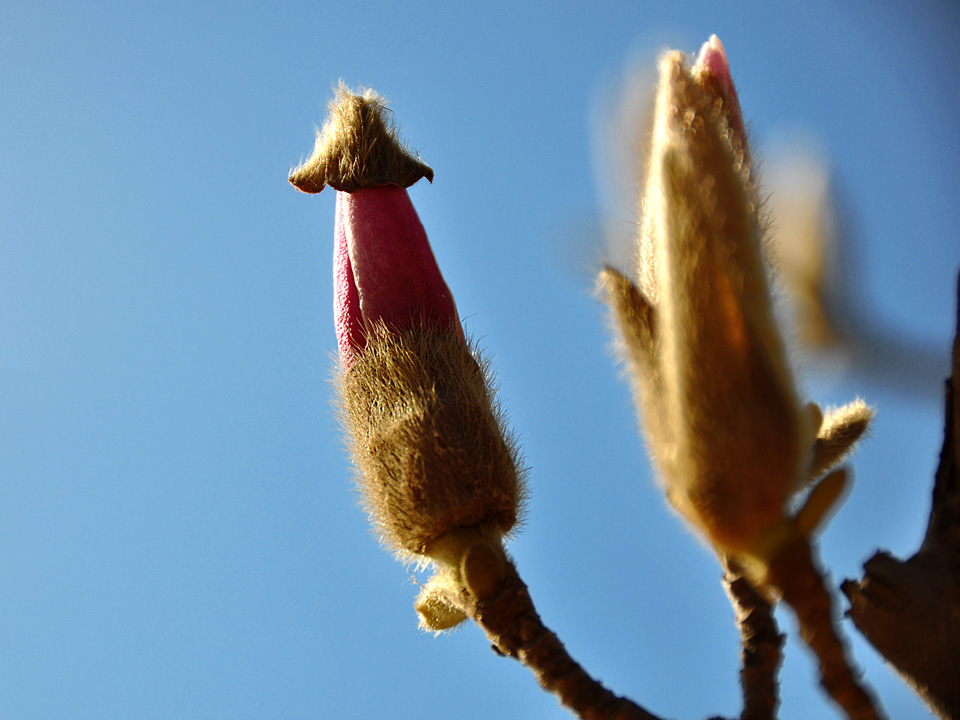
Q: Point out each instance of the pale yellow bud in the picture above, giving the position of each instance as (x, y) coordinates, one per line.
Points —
(837, 434)
(436, 606)
(470, 566)
(732, 441)
(823, 497)
(739, 441)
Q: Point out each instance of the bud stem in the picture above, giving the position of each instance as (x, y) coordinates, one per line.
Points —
(512, 624)
(794, 573)
(762, 643)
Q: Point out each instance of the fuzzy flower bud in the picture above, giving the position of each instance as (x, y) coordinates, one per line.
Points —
(732, 440)
(739, 437)
(436, 467)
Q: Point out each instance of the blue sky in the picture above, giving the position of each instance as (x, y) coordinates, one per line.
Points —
(178, 533)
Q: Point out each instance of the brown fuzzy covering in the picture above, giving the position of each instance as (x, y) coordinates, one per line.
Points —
(358, 148)
(431, 452)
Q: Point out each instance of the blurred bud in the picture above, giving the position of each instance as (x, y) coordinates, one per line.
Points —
(740, 441)
(733, 443)
(838, 433)
(723, 420)
(436, 467)
(805, 251)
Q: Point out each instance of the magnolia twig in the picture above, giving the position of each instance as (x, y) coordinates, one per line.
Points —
(910, 610)
(513, 625)
(795, 574)
(761, 642)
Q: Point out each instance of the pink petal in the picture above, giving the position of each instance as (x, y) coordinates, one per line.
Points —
(712, 67)
(346, 297)
(386, 271)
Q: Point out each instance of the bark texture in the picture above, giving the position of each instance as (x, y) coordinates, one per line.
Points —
(761, 647)
(910, 610)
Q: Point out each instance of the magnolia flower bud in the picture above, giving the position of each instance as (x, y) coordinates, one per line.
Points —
(740, 442)
(437, 470)
(725, 425)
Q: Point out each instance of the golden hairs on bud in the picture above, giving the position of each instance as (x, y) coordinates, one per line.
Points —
(357, 148)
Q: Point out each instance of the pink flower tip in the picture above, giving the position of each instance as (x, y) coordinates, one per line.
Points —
(713, 58)
(385, 271)
(712, 72)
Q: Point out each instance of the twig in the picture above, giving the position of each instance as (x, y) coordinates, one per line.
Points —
(512, 624)
(762, 643)
(794, 573)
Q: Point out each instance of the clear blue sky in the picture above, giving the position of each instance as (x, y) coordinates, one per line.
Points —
(178, 533)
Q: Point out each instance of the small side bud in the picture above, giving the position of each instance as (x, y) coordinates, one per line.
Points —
(434, 608)
(483, 569)
(839, 432)
(633, 314)
(637, 325)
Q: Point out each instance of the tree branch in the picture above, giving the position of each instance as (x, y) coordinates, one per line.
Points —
(910, 610)
(511, 622)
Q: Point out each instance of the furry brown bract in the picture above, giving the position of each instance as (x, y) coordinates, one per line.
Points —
(431, 452)
(358, 148)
